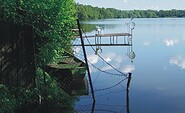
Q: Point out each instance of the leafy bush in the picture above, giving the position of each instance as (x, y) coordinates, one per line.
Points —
(7, 100)
(52, 22)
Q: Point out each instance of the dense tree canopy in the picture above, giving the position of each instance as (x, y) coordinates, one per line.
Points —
(52, 21)
(87, 12)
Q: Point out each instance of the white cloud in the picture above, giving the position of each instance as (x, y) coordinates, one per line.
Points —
(170, 42)
(128, 68)
(179, 61)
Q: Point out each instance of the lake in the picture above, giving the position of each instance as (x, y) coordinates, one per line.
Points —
(158, 79)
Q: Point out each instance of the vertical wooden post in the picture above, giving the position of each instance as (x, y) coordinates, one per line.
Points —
(127, 93)
(93, 107)
(85, 56)
(127, 102)
(129, 79)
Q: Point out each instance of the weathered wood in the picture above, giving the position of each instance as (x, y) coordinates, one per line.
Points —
(129, 79)
(104, 45)
(105, 35)
(113, 34)
(70, 73)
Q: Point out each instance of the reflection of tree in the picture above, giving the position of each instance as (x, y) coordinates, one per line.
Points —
(88, 27)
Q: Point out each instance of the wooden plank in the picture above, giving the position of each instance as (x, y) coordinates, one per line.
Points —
(113, 34)
(91, 36)
(105, 35)
(104, 45)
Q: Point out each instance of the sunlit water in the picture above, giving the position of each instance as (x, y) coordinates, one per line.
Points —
(158, 78)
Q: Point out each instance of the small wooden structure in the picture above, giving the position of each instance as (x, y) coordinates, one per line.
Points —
(70, 73)
(114, 39)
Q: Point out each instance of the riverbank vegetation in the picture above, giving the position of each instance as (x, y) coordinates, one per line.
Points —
(52, 22)
(87, 12)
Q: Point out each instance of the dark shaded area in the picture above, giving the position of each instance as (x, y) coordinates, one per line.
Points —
(70, 73)
(16, 55)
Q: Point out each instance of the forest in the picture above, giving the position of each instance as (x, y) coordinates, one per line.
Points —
(87, 12)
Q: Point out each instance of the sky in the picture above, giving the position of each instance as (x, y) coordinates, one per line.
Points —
(136, 4)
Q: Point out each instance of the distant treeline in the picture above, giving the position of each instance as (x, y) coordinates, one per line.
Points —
(87, 12)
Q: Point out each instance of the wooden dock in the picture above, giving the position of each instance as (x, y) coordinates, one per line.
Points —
(113, 34)
(104, 45)
(113, 37)
(106, 35)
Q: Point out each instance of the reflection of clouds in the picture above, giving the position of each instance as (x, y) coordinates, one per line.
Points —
(109, 57)
(146, 43)
(128, 68)
(93, 59)
(170, 42)
(119, 59)
(115, 59)
(76, 50)
(112, 58)
(179, 61)
(105, 68)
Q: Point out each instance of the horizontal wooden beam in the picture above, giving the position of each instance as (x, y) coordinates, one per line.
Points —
(106, 35)
(113, 34)
(104, 45)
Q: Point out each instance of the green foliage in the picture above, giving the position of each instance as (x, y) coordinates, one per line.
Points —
(7, 100)
(50, 91)
(87, 12)
(52, 22)
(46, 90)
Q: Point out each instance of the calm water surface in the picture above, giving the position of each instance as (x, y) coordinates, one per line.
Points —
(158, 71)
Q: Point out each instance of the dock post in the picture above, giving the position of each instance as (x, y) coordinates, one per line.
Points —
(127, 93)
(85, 56)
(129, 79)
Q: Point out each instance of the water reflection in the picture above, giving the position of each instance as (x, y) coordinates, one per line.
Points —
(128, 68)
(110, 72)
(170, 42)
(115, 59)
(178, 61)
(101, 107)
(159, 66)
